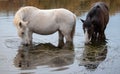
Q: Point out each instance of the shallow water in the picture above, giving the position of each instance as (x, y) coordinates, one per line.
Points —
(44, 58)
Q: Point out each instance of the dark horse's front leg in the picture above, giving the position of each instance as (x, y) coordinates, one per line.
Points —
(94, 37)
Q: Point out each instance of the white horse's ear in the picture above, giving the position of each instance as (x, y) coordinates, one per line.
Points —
(82, 20)
(23, 24)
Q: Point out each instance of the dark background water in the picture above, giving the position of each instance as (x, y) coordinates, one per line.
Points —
(44, 57)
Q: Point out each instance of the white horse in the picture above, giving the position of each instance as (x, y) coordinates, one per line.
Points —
(29, 20)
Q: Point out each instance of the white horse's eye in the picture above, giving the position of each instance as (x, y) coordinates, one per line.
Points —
(22, 33)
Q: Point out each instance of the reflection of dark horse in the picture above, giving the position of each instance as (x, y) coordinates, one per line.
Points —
(96, 22)
(43, 54)
(93, 55)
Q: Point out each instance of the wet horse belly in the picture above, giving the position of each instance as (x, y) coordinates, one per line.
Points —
(45, 30)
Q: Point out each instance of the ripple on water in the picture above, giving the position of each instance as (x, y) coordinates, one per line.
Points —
(12, 43)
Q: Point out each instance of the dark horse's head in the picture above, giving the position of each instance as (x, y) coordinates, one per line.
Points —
(88, 29)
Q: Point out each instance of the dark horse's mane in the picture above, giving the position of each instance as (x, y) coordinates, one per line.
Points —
(94, 14)
(94, 11)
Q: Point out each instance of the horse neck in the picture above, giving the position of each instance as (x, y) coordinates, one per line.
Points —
(88, 19)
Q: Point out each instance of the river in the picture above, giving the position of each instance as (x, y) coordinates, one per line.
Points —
(44, 57)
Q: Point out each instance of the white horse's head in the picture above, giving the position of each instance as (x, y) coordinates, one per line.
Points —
(24, 33)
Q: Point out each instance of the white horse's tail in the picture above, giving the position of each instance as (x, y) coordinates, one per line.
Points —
(74, 19)
(73, 30)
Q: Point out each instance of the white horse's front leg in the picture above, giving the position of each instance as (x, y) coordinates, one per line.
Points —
(29, 38)
(30, 34)
(61, 40)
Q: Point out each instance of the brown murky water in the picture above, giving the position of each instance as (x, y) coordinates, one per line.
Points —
(44, 57)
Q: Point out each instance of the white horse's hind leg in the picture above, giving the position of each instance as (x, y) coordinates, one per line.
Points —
(69, 42)
(68, 34)
(69, 38)
(61, 40)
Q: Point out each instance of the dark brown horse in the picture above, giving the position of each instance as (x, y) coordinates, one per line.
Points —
(96, 22)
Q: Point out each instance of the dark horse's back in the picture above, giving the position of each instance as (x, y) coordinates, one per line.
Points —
(99, 15)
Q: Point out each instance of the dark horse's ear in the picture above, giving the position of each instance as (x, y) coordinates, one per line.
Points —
(82, 20)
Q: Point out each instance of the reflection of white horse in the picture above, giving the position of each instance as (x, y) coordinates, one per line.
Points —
(29, 20)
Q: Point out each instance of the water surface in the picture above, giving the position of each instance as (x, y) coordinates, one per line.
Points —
(44, 57)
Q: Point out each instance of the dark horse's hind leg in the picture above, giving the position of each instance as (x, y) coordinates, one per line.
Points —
(61, 40)
(101, 36)
(104, 37)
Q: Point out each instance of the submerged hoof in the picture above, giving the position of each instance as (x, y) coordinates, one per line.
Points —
(68, 45)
